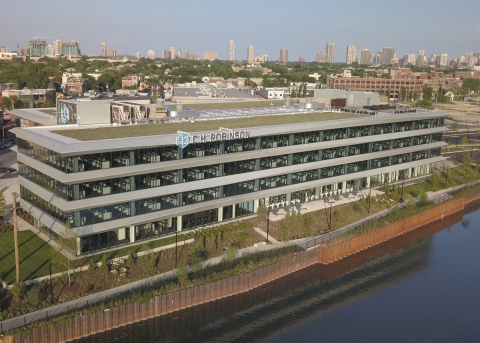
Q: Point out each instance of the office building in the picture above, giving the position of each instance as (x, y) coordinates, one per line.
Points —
(409, 59)
(210, 56)
(57, 47)
(351, 54)
(120, 191)
(37, 48)
(321, 57)
(283, 55)
(250, 54)
(179, 53)
(71, 48)
(371, 84)
(366, 57)
(330, 50)
(151, 54)
(442, 60)
(172, 52)
(421, 58)
(231, 50)
(388, 54)
(3, 49)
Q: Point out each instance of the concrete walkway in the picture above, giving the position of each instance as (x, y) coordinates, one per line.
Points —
(264, 234)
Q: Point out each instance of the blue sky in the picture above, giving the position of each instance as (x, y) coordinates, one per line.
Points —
(301, 26)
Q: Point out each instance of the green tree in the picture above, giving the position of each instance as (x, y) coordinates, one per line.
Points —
(35, 76)
(4, 209)
(48, 104)
(423, 103)
(427, 93)
(465, 140)
(68, 244)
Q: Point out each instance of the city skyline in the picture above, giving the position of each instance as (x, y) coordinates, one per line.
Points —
(406, 35)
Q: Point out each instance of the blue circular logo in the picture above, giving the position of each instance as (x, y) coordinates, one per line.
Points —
(64, 114)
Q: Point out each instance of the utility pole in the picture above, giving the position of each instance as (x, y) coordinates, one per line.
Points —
(15, 236)
(403, 182)
(446, 178)
(176, 248)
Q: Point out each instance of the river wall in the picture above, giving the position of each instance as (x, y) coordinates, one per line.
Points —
(86, 325)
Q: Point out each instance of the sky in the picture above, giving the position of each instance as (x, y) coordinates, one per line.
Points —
(303, 27)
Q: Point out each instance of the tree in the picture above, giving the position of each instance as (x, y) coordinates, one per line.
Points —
(423, 103)
(13, 102)
(4, 209)
(465, 140)
(427, 93)
(68, 244)
(48, 104)
(35, 76)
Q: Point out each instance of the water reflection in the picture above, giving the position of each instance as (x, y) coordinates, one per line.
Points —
(285, 306)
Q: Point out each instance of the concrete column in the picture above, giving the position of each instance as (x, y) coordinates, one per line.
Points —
(344, 187)
(317, 193)
(78, 246)
(233, 211)
(179, 223)
(256, 203)
(220, 214)
(132, 234)
(368, 182)
(409, 173)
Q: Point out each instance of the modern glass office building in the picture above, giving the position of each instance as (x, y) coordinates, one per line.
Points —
(115, 186)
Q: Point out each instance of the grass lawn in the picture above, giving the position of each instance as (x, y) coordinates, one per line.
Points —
(198, 126)
(133, 249)
(237, 104)
(34, 256)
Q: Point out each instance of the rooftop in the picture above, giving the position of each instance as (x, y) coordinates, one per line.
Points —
(112, 132)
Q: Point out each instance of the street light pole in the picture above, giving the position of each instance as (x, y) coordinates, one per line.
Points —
(15, 237)
(176, 248)
(268, 221)
(403, 182)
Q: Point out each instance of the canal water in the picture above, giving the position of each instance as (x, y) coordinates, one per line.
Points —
(423, 286)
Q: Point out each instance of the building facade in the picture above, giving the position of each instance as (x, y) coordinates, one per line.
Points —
(120, 191)
(366, 57)
(283, 55)
(370, 84)
(388, 54)
(330, 50)
(210, 56)
(231, 51)
(351, 54)
(250, 54)
(321, 57)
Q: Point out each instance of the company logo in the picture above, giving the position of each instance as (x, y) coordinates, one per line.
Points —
(64, 114)
(183, 140)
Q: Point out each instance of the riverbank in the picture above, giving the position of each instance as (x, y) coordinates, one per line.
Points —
(80, 326)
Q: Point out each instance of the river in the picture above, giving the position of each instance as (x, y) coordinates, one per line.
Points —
(423, 286)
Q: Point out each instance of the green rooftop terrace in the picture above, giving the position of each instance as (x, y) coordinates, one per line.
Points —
(112, 132)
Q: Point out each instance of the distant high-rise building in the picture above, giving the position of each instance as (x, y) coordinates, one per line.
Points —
(366, 57)
(421, 58)
(321, 57)
(210, 56)
(71, 48)
(151, 54)
(250, 54)
(104, 49)
(378, 59)
(301, 59)
(388, 53)
(231, 50)
(265, 58)
(330, 50)
(179, 53)
(37, 48)
(50, 50)
(442, 60)
(409, 59)
(433, 59)
(57, 47)
(187, 55)
(472, 61)
(351, 54)
(283, 55)
(110, 52)
(4, 49)
(172, 52)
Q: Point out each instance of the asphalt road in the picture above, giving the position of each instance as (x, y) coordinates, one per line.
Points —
(7, 157)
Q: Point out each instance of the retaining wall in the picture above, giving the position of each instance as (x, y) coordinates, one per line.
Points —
(86, 325)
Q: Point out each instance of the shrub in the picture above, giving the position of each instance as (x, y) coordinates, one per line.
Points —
(18, 291)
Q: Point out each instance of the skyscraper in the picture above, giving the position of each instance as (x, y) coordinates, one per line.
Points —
(104, 49)
(250, 54)
(57, 47)
(179, 53)
(442, 60)
(231, 50)
(50, 50)
(283, 55)
(388, 53)
(330, 50)
(378, 58)
(70, 48)
(365, 57)
(172, 52)
(421, 58)
(37, 48)
(351, 54)
(151, 54)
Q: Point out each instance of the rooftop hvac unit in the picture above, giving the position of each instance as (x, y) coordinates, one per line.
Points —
(121, 114)
(139, 113)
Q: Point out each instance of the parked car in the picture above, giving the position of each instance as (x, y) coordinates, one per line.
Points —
(7, 170)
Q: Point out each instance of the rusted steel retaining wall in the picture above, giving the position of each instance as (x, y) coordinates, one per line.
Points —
(354, 244)
(86, 325)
